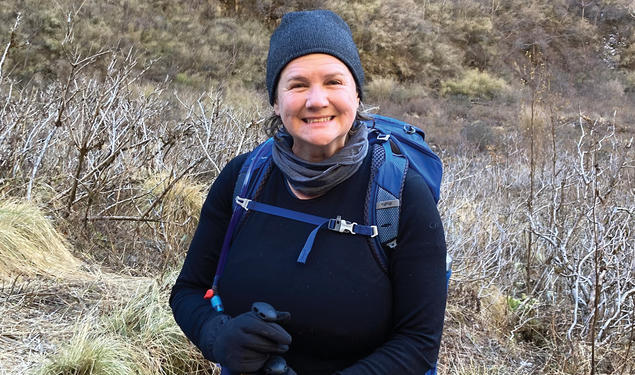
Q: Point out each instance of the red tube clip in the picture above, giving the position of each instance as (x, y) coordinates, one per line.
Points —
(209, 294)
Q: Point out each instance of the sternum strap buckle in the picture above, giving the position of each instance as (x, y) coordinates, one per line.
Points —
(343, 226)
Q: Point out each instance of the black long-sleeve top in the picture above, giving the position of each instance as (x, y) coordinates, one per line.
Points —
(347, 315)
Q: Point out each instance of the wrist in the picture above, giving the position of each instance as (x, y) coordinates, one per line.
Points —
(208, 333)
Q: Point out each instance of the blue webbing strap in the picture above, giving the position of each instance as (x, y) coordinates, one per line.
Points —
(306, 249)
(248, 204)
(337, 224)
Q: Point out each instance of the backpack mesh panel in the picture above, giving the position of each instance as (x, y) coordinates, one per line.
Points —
(377, 159)
(379, 156)
(387, 217)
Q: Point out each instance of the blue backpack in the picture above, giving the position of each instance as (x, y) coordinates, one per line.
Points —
(395, 146)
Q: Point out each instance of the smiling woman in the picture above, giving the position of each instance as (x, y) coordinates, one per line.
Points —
(317, 101)
(345, 310)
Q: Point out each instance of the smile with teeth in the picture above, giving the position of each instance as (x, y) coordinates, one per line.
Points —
(320, 119)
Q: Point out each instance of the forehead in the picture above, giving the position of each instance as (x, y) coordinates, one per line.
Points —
(314, 64)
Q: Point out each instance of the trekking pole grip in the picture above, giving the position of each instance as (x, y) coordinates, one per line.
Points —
(275, 365)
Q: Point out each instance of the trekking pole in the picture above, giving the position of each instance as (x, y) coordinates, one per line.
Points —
(275, 365)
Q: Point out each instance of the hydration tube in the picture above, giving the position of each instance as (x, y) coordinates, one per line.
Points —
(212, 294)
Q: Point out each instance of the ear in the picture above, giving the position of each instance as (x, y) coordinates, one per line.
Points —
(276, 108)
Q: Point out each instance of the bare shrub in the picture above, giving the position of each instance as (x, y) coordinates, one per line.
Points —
(579, 301)
(483, 135)
(78, 147)
(585, 230)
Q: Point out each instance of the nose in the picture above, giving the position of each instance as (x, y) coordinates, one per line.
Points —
(317, 98)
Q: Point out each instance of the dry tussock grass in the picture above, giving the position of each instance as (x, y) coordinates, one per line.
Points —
(30, 245)
(88, 354)
(181, 200)
(38, 315)
(495, 310)
(146, 322)
(107, 325)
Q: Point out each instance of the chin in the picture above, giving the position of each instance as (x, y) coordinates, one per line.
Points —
(322, 141)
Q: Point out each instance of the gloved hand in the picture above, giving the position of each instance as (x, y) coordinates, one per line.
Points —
(244, 343)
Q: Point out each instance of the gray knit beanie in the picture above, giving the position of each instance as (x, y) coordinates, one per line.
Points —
(315, 31)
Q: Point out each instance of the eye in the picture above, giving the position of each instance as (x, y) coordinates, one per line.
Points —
(296, 85)
(334, 82)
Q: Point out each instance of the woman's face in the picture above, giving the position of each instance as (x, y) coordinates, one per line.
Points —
(317, 101)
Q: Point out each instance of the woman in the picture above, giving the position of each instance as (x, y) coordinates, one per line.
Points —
(347, 316)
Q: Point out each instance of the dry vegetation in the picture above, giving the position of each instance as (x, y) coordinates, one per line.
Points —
(116, 116)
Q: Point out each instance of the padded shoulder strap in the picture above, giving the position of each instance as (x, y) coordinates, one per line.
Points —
(390, 178)
(383, 205)
(252, 170)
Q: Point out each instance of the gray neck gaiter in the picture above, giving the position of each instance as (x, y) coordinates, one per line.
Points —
(316, 178)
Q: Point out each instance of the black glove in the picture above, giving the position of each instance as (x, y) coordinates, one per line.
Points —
(244, 343)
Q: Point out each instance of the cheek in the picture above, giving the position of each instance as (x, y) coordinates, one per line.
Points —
(352, 104)
(286, 106)
(351, 100)
(285, 113)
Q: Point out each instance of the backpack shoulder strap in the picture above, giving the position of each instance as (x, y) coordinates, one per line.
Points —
(383, 198)
(253, 171)
(389, 181)
(251, 174)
